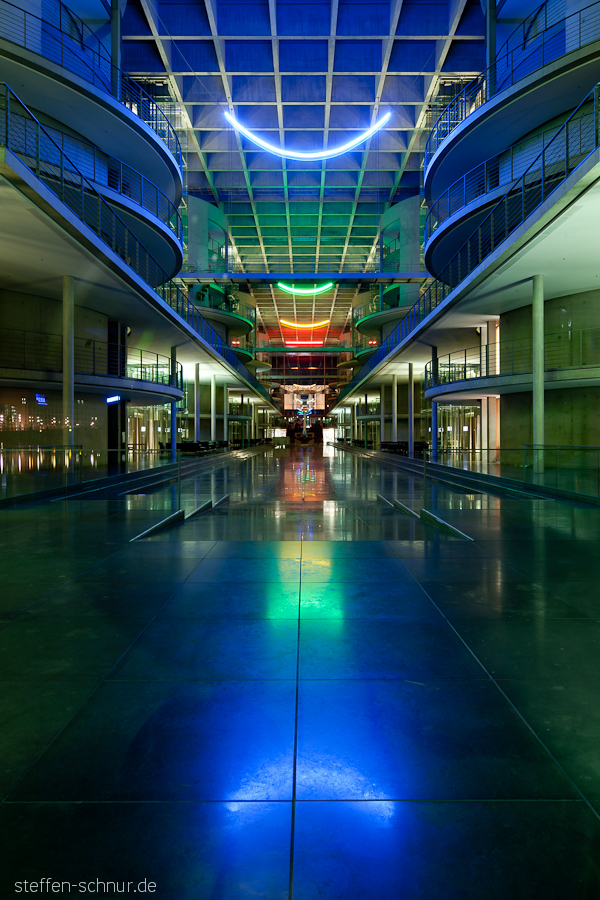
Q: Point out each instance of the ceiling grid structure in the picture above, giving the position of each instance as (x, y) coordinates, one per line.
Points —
(306, 76)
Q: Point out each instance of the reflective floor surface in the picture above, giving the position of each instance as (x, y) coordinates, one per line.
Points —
(302, 694)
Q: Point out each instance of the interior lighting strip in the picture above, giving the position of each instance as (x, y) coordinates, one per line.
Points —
(318, 154)
(298, 325)
(303, 343)
(305, 291)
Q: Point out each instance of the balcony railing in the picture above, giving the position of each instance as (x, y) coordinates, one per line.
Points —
(495, 172)
(69, 43)
(103, 169)
(541, 43)
(373, 306)
(575, 140)
(24, 136)
(566, 349)
(43, 352)
(227, 304)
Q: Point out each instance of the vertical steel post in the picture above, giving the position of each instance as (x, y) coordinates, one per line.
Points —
(538, 371)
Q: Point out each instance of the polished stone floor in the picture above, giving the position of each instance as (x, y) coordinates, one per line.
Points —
(303, 693)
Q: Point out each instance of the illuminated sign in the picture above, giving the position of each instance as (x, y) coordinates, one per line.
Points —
(41, 400)
(114, 399)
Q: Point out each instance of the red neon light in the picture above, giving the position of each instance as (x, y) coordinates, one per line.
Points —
(302, 343)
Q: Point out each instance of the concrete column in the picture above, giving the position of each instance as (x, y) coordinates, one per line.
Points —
(394, 408)
(483, 415)
(253, 423)
(197, 402)
(434, 411)
(365, 422)
(381, 414)
(354, 423)
(411, 411)
(490, 40)
(492, 424)
(213, 407)
(68, 360)
(538, 366)
(115, 33)
(483, 421)
(225, 413)
(242, 421)
(173, 404)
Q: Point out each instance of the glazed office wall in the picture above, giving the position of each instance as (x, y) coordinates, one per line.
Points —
(23, 420)
(571, 414)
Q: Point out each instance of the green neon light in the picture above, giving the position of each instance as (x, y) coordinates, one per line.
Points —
(311, 291)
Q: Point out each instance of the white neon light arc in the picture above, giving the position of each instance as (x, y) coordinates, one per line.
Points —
(299, 154)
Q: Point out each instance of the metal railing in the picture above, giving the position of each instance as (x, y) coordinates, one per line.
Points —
(56, 469)
(106, 170)
(42, 351)
(227, 304)
(70, 43)
(24, 136)
(495, 172)
(572, 469)
(575, 140)
(566, 349)
(537, 43)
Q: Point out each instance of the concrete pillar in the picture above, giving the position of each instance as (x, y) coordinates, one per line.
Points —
(381, 414)
(354, 423)
(483, 421)
(115, 32)
(434, 411)
(242, 421)
(197, 402)
(365, 422)
(394, 408)
(483, 370)
(174, 403)
(213, 407)
(490, 41)
(492, 424)
(225, 413)
(253, 423)
(68, 360)
(411, 411)
(538, 366)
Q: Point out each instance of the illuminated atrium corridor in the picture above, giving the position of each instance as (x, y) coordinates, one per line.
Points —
(304, 692)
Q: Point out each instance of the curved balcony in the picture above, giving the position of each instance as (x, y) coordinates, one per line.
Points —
(106, 171)
(238, 318)
(485, 179)
(68, 43)
(34, 354)
(508, 365)
(540, 52)
(25, 137)
(369, 318)
(574, 142)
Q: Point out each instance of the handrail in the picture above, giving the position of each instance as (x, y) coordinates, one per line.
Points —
(535, 51)
(565, 349)
(40, 350)
(24, 136)
(493, 173)
(575, 140)
(74, 46)
(101, 168)
(225, 304)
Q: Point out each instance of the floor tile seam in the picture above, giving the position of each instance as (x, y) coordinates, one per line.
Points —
(529, 727)
(295, 749)
(80, 707)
